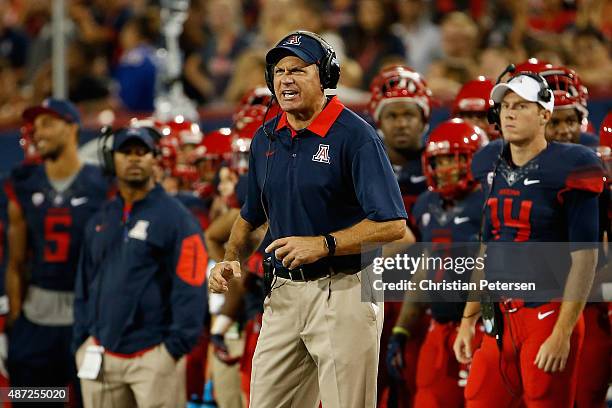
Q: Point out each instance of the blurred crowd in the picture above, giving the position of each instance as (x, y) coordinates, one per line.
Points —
(113, 60)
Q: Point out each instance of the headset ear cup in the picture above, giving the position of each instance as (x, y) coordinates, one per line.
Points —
(333, 72)
(493, 115)
(270, 78)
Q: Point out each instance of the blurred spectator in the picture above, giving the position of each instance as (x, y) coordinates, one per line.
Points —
(459, 37)
(459, 44)
(33, 16)
(13, 41)
(208, 70)
(595, 13)
(370, 40)
(593, 62)
(310, 14)
(11, 101)
(475, 8)
(136, 72)
(550, 17)
(420, 36)
(553, 55)
(37, 23)
(84, 85)
(99, 22)
(276, 19)
(341, 14)
(249, 73)
(493, 61)
(193, 36)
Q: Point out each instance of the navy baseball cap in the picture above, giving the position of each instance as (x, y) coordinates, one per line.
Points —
(299, 45)
(141, 134)
(60, 108)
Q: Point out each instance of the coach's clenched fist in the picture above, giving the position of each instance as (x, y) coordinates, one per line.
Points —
(221, 274)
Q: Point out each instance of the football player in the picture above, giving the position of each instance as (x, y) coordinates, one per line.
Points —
(570, 116)
(537, 191)
(401, 105)
(449, 212)
(49, 205)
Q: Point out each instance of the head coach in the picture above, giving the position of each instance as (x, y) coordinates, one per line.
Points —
(321, 178)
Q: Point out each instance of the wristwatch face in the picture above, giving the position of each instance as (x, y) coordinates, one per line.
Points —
(330, 241)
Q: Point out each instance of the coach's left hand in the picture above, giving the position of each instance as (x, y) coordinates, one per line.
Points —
(297, 251)
(553, 353)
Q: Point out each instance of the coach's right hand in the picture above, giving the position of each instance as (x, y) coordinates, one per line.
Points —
(463, 342)
(221, 274)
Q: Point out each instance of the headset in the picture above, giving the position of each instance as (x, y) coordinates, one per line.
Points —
(329, 67)
(544, 94)
(105, 147)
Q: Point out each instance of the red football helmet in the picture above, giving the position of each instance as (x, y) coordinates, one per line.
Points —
(473, 102)
(605, 142)
(185, 131)
(568, 89)
(208, 156)
(251, 112)
(474, 96)
(241, 147)
(396, 84)
(180, 138)
(454, 138)
(248, 118)
(26, 141)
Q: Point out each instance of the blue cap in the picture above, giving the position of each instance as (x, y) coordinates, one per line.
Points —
(63, 109)
(299, 45)
(132, 133)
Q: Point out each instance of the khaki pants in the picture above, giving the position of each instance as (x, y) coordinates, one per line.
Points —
(153, 379)
(226, 378)
(318, 341)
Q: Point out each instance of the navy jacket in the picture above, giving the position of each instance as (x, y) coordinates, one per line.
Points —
(140, 277)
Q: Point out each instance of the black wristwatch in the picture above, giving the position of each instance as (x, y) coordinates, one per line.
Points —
(330, 243)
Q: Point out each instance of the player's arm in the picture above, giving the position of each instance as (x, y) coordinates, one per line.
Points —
(581, 211)
(399, 246)
(15, 270)
(553, 353)
(413, 308)
(236, 250)
(218, 232)
(471, 313)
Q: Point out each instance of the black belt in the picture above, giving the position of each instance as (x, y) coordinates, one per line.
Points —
(310, 274)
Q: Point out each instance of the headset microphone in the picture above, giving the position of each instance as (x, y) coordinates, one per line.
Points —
(509, 69)
(105, 150)
(270, 136)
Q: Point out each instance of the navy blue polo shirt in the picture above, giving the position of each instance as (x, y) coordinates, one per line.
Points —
(321, 179)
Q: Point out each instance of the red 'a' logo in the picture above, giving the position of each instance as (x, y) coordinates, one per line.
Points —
(322, 155)
(293, 40)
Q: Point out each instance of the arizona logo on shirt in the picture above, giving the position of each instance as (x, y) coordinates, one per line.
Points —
(322, 155)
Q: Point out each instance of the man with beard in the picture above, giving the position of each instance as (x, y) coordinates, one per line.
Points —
(139, 298)
(48, 206)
